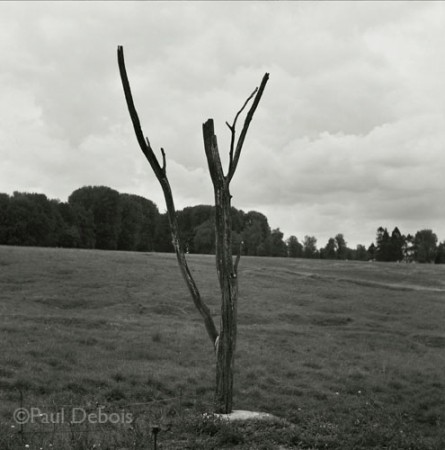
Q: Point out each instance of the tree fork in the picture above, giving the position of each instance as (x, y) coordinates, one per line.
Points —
(227, 276)
(225, 342)
(161, 175)
(227, 270)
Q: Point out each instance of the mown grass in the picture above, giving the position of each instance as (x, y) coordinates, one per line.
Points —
(350, 355)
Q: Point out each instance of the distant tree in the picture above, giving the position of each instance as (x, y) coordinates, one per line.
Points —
(264, 248)
(396, 245)
(277, 245)
(342, 248)
(19, 213)
(440, 255)
(238, 220)
(69, 236)
(351, 254)
(255, 234)
(310, 247)
(252, 229)
(150, 216)
(32, 219)
(4, 204)
(237, 242)
(425, 246)
(372, 250)
(105, 206)
(204, 237)
(137, 224)
(86, 226)
(383, 251)
(131, 223)
(361, 254)
(330, 249)
(189, 219)
(163, 242)
(408, 248)
(294, 248)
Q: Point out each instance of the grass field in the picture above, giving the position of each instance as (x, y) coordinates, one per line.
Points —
(351, 354)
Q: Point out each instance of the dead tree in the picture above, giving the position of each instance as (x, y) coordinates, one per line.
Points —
(224, 342)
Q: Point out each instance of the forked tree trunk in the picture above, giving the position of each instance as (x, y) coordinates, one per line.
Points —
(227, 274)
(227, 269)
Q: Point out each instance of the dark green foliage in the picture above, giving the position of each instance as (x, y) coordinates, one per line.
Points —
(310, 247)
(163, 242)
(372, 251)
(255, 234)
(294, 247)
(383, 245)
(342, 249)
(238, 220)
(330, 250)
(100, 217)
(361, 254)
(106, 207)
(421, 248)
(29, 219)
(190, 219)
(408, 248)
(131, 224)
(150, 215)
(390, 248)
(440, 255)
(85, 225)
(396, 245)
(425, 246)
(4, 203)
(204, 238)
(138, 223)
(277, 245)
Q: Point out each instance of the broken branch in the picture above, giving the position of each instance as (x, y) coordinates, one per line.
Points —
(161, 175)
(233, 129)
(234, 158)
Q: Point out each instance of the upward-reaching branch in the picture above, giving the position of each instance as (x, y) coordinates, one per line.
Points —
(248, 119)
(143, 142)
(233, 128)
(161, 175)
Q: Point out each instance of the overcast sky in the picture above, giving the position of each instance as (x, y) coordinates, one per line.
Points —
(349, 135)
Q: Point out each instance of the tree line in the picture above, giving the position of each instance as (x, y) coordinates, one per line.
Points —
(423, 247)
(98, 217)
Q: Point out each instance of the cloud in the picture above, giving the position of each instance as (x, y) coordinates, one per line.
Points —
(348, 135)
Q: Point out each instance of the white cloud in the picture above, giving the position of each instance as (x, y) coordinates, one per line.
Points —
(348, 136)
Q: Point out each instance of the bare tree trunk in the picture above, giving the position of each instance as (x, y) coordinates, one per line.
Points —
(227, 276)
(227, 269)
(225, 356)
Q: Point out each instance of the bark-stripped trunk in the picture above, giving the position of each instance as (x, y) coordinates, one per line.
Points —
(227, 276)
(227, 269)
(228, 279)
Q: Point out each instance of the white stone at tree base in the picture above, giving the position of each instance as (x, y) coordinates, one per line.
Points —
(239, 414)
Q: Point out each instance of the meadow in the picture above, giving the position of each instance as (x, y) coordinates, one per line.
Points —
(347, 355)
